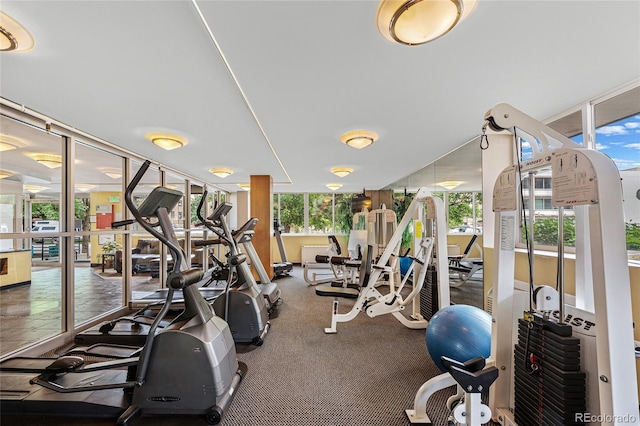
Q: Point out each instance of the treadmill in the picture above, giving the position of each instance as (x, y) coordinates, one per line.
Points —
(284, 267)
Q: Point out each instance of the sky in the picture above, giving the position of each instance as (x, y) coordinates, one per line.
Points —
(621, 142)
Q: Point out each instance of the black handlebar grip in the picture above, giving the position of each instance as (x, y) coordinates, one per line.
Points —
(121, 223)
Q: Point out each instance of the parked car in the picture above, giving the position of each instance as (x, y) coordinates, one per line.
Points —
(465, 229)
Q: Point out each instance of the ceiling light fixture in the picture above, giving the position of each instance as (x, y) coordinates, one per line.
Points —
(13, 36)
(84, 187)
(359, 138)
(6, 173)
(34, 189)
(221, 172)
(341, 171)
(450, 184)
(334, 186)
(413, 22)
(52, 161)
(245, 186)
(166, 140)
(6, 146)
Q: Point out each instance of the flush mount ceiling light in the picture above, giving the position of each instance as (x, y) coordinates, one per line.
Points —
(166, 140)
(52, 161)
(6, 174)
(450, 184)
(6, 146)
(13, 36)
(112, 172)
(84, 187)
(413, 22)
(334, 186)
(221, 172)
(341, 171)
(34, 189)
(359, 138)
(245, 186)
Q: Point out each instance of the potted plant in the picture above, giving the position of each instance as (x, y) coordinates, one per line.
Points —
(108, 250)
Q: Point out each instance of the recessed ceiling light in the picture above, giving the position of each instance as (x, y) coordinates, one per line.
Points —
(245, 186)
(13, 36)
(221, 172)
(166, 141)
(450, 184)
(413, 22)
(359, 138)
(334, 186)
(341, 171)
(52, 161)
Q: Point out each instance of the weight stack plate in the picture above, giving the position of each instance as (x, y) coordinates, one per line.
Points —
(554, 392)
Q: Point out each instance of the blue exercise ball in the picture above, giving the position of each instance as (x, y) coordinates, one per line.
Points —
(460, 332)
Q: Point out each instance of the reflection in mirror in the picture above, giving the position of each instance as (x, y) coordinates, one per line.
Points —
(457, 179)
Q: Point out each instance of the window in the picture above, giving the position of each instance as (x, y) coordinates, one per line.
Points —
(617, 134)
(323, 213)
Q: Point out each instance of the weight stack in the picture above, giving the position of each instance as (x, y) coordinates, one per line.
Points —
(429, 293)
(554, 393)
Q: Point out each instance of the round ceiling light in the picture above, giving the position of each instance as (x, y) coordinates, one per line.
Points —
(414, 22)
(334, 186)
(359, 138)
(166, 141)
(341, 171)
(13, 36)
(221, 172)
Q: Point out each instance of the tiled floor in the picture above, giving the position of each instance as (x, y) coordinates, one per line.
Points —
(30, 313)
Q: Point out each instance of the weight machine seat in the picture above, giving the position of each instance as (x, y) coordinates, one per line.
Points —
(328, 290)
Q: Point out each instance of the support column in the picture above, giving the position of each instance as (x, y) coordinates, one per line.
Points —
(261, 204)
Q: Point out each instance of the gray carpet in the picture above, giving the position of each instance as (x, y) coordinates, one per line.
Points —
(367, 374)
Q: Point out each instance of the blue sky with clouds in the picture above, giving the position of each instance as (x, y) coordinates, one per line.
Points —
(621, 142)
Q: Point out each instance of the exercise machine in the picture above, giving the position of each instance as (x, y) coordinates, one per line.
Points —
(270, 290)
(588, 182)
(189, 367)
(284, 267)
(427, 244)
(242, 304)
(463, 266)
(321, 271)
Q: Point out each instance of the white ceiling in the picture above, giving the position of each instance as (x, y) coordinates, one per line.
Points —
(310, 70)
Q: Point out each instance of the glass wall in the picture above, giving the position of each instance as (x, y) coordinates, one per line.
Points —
(31, 225)
(57, 244)
(313, 213)
(98, 248)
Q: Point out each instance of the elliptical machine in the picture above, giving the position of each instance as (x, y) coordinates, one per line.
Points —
(188, 367)
(242, 304)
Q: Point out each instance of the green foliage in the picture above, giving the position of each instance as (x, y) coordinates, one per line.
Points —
(546, 231)
(320, 212)
(344, 217)
(45, 211)
(292, 212)
(111, 246)
(81, 207)
(633, 236)
(195, 201)
(460, 208)
(400, 206)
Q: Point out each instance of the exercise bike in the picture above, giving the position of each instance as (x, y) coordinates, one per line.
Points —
(188, 367)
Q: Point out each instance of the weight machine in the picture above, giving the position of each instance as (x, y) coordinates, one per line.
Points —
(589, 182)
(372, 301)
